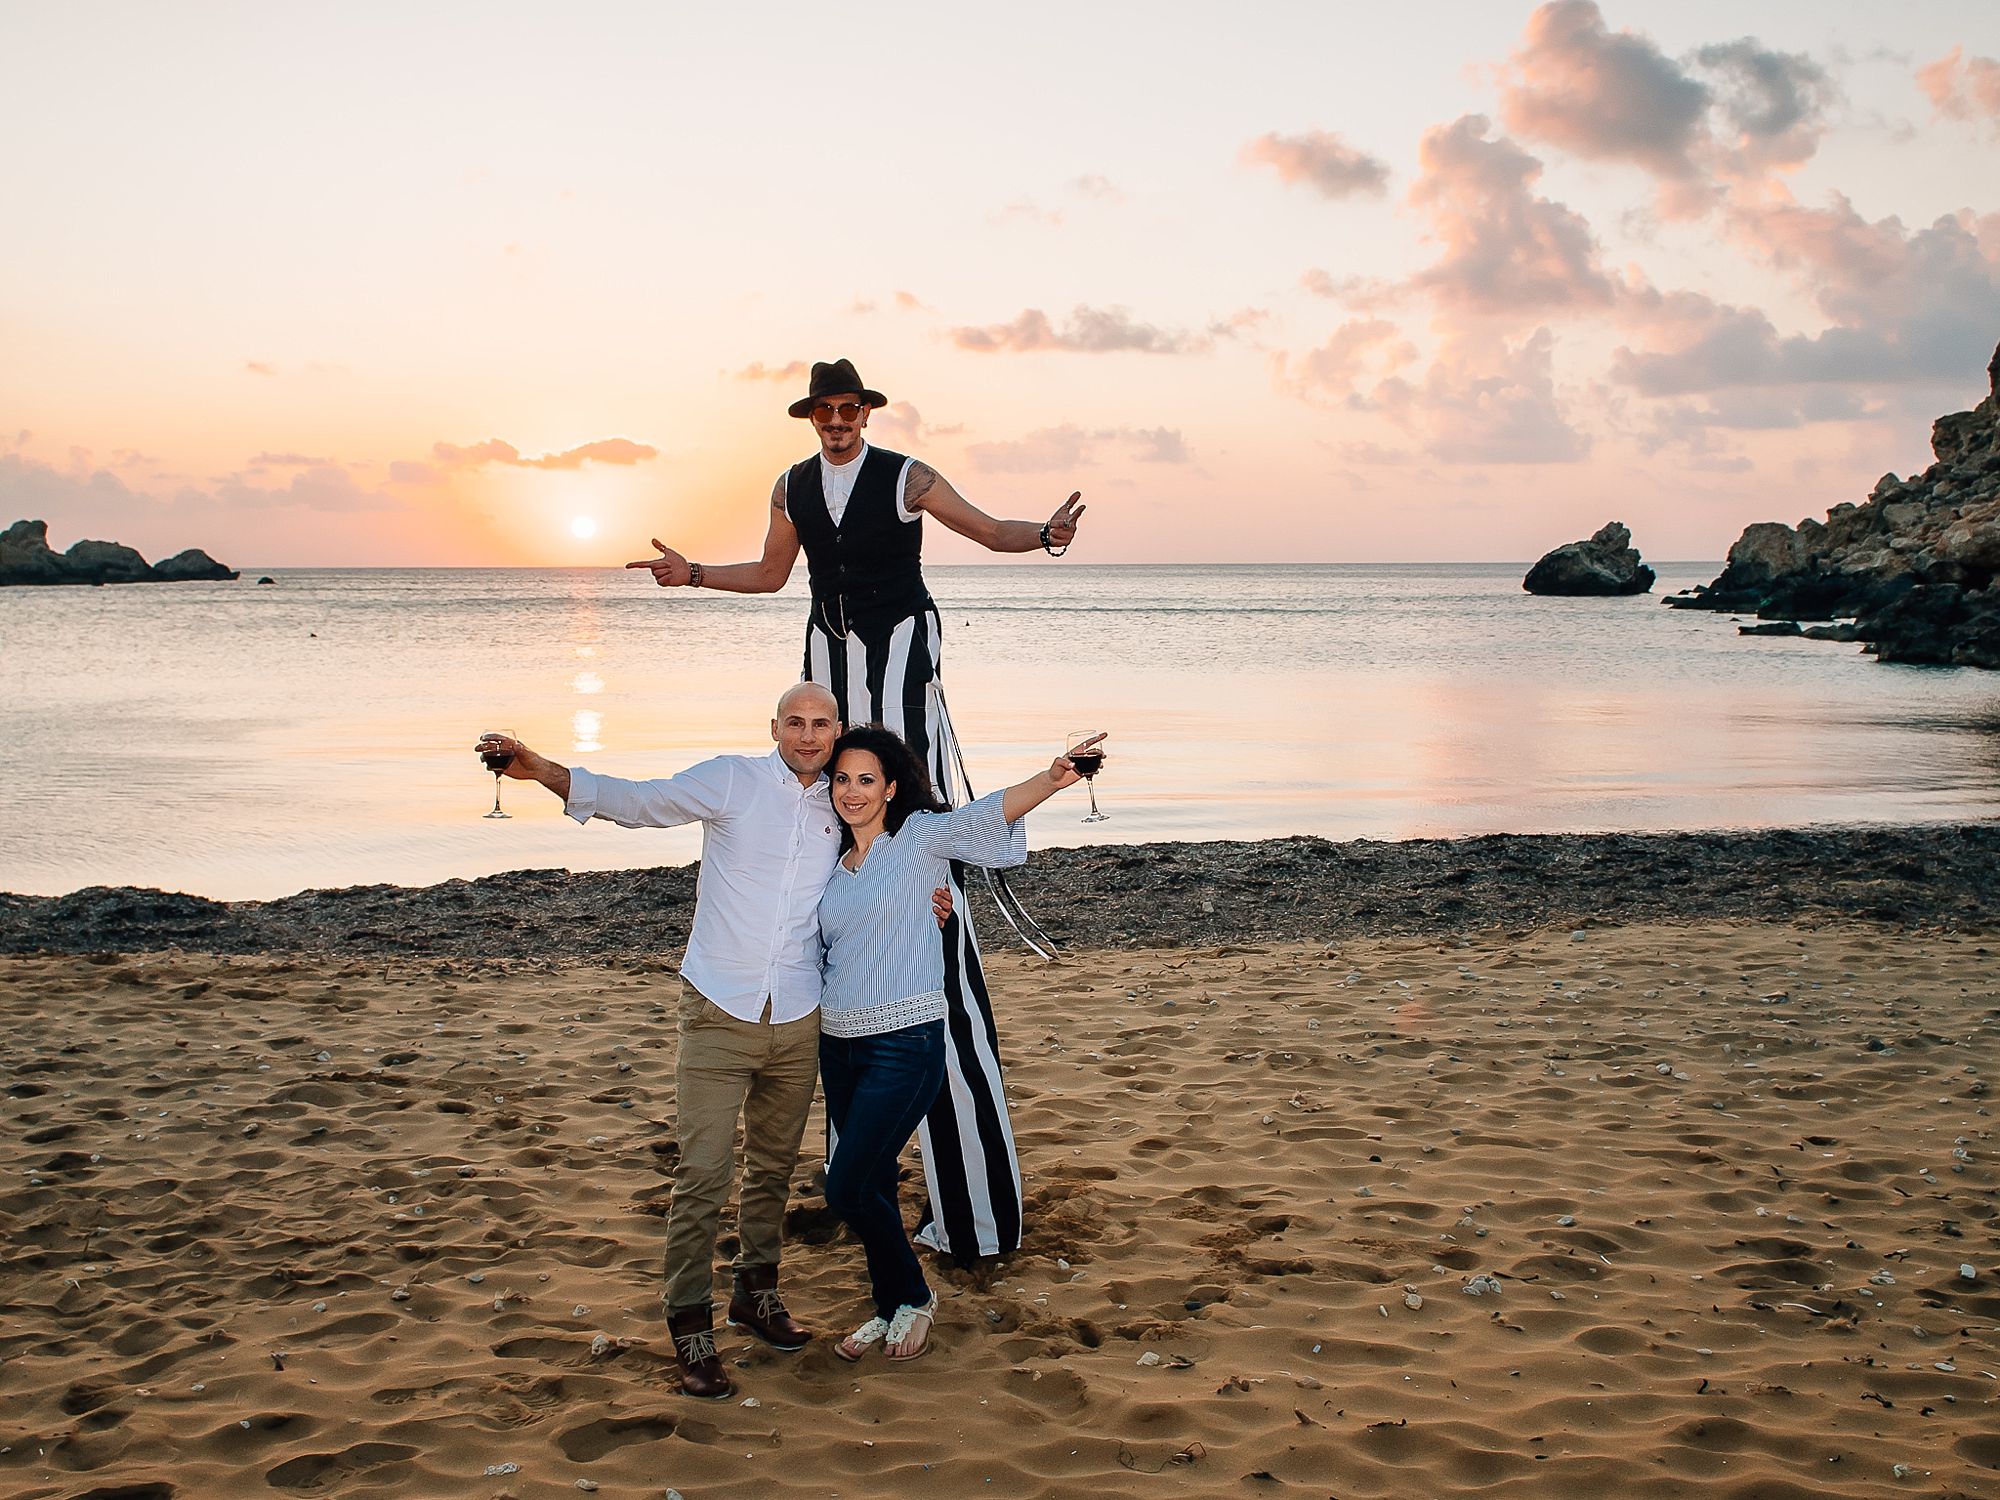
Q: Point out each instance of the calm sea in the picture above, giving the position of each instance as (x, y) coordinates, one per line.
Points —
(242, 741)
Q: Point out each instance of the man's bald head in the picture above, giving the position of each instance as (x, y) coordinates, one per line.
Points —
(805, 726)
(804, 694)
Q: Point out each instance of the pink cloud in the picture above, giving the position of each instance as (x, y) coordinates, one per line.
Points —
(1320, 160)
(1601, 94)
(259, 367)
(1733, 111)
(1026, 211)
(798, 369)
(1486, 401)
(1901, 306)
(1371, 347)
(1962, 88)
(1090, 330)
(1057, 449)
(620, 451)
(1505, 250)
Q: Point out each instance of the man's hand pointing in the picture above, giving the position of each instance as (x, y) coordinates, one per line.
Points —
(670, 570)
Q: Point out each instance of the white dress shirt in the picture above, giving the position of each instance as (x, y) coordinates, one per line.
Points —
(768, 845)
(836, 484)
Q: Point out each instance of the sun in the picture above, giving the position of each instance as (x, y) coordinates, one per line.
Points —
(583, 528)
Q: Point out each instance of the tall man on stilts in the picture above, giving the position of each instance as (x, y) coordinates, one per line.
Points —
(873, 640)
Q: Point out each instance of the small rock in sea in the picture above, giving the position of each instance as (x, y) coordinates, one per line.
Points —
(267, 580)
(1967, 1272)
(1149, 1359)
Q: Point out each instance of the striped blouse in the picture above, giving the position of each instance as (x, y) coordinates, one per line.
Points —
(884, 964)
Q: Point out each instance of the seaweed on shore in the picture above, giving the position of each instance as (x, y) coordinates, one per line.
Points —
(1279, 890)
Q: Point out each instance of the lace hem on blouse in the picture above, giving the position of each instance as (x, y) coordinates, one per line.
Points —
(892, 1015)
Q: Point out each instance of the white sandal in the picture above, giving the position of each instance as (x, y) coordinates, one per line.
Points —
(904, 1324)
(857, 1343)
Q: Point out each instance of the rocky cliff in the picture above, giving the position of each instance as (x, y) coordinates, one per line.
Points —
(26, 557)
(1913, 566)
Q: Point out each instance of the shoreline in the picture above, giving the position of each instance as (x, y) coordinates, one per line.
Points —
(1288, 890)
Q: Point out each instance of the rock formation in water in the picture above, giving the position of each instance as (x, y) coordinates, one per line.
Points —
(27, 558)
(1606, 564)
(1913, 566)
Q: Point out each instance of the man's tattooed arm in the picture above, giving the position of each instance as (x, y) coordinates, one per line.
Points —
(918, 485)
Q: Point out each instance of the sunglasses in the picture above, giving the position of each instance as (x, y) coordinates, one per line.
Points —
(847, 411)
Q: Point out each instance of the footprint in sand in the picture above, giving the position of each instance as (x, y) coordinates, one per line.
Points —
(319, 1471)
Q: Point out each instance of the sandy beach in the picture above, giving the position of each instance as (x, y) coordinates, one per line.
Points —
(1656, 1209)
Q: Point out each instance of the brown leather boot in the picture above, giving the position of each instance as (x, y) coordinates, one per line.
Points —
(757, 1307)
(693, 1331)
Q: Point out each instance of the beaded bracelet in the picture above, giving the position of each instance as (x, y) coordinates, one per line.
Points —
(1045, 542)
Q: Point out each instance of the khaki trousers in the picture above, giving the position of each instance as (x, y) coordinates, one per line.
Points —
(729, 1068)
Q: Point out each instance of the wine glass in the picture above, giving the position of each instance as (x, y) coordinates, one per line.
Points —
(1088, 763)
(496, 764)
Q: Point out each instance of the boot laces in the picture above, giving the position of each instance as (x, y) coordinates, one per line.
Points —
(697, 1346)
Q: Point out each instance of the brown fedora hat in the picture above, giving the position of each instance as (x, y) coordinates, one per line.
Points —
(836, 379)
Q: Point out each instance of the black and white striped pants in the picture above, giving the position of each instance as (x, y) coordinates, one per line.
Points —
(970, 1167)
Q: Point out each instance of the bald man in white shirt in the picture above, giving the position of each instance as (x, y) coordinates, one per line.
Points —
(749, 1019)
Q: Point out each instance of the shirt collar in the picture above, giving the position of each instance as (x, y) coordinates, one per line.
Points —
(852, 466)
(784, 772)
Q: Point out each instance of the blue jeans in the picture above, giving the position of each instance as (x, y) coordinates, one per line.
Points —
(877, 1090)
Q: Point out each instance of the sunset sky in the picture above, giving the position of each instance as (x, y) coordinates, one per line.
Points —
(440, 284)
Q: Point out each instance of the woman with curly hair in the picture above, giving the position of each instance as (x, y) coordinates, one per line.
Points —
(882, 1005)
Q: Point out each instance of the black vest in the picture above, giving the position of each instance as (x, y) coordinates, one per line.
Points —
(866, 572)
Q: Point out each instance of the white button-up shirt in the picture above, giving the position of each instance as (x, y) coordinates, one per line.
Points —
(768, 845)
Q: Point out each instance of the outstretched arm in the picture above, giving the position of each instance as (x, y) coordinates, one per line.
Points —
(930, 492)
(767, 575)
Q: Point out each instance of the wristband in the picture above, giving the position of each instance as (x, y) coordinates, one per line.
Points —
(695, 575)
(1046, 547)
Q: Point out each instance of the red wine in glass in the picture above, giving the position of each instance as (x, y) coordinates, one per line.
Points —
(497, 762)
(1088, 763)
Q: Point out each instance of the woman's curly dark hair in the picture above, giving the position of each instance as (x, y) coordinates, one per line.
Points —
(900, 765)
